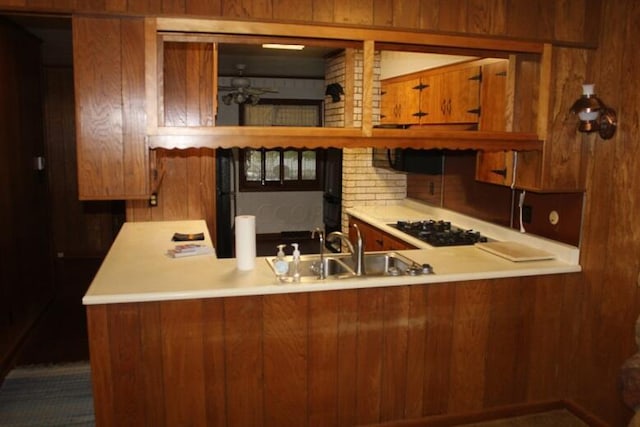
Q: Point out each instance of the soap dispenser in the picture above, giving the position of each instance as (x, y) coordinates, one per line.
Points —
(281, 265)
(296, 263)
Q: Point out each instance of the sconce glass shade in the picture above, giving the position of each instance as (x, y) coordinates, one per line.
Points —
(594, 114)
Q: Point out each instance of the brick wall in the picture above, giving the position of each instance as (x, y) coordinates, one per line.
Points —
(362, 184)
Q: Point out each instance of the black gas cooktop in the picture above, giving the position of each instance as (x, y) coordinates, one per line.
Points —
(439, 233)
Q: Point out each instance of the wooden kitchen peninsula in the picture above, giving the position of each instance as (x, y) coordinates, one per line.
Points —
(193, 341)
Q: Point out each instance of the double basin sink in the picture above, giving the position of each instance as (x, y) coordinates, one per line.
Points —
(342, 266)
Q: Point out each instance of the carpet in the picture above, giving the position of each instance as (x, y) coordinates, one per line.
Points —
(56, 395)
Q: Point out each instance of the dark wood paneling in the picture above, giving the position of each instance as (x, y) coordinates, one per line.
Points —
(332, 358)
(186, 189)
(79, 229)
(110, 108)
(26, 282)
(462, 193)
(575, 21)
(98, 89)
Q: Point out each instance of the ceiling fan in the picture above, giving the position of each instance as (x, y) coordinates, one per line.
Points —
(241, 91)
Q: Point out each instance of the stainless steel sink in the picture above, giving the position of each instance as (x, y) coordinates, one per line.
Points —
(387, 264)
(341, 266)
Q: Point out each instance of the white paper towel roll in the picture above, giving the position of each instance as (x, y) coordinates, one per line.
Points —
(246, 242)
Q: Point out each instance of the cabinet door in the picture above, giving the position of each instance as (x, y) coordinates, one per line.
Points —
(392, 243)
(108, 59)
(388, 103)
(494, 167)
(376, 239)
(372, 236)
(400, 102)
(452, 97)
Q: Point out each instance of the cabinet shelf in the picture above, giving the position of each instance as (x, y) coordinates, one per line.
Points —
(228, 137)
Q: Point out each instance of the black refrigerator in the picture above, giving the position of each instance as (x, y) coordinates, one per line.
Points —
(225, 203)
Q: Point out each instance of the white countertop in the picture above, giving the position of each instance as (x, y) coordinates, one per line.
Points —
(137, 268)
(382, 216)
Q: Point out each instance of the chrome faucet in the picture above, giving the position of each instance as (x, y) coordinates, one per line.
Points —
(320, 234)
(357, 250)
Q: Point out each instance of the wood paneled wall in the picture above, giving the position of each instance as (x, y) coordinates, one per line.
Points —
(571, 21)
(78, 229)
(26, 284)
(185, 187)
(609, 296)
(338, 358)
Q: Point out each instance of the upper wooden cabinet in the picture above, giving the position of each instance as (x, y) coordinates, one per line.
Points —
(449, 95)
(560, 165)
(495, 167)
(108, 60)
(400, 101)
(452, 96)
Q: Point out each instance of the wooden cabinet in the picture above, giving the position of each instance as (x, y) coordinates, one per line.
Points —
(376, 239)
(495, 167)
(109, 74)
(448, 95)
(560, 166)
(451, 96)
(400, 102)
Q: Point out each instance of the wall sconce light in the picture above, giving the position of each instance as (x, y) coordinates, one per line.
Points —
(594, 114)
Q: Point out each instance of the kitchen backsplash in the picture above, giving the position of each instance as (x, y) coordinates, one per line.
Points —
(557, 216)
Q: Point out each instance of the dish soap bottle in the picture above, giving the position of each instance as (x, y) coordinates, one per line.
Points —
(281, 265)
(296, 263)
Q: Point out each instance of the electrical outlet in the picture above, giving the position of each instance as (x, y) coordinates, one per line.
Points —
(527, 214)
(153, 200)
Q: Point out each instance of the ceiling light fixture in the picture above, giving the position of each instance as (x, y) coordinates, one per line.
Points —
(283, 46)
(594, 114)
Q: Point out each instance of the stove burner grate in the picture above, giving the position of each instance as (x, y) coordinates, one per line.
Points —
(439, 233)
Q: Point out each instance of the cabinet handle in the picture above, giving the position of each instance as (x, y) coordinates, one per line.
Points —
(501, 172)
(379, 242)
(443, 106)
(449, 106)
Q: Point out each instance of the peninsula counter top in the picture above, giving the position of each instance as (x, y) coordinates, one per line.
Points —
(138, 269)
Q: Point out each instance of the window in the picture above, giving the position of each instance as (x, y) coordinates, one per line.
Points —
(282, 169)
